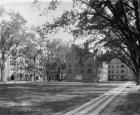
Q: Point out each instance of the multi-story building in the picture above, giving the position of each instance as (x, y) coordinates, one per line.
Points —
(119, 71)
(15, 66)
(80, 65)
(15, 69)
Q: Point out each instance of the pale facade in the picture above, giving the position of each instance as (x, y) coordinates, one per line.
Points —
(103, 75)
(15, 66)
(118, 71)
(15, 69)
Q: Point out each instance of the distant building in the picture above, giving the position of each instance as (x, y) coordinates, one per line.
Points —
(15, 69)
(80, 65)
(56, 68)
(118, 71)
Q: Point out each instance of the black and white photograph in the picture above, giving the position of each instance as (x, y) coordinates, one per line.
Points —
(69, 57)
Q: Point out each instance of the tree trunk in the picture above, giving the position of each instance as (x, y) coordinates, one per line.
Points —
(138, 76)
(34, 77)
(34, 59)
(45, 76)
(135, 77)
(2, 72)
(3, 67)
(58, 73)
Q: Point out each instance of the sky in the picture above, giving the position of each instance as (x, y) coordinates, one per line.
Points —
(32, 13)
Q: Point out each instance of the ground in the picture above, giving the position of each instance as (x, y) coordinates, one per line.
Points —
(51, 98)
(127, 103)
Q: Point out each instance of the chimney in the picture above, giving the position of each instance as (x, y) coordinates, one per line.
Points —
(73, 46)
(86, 46)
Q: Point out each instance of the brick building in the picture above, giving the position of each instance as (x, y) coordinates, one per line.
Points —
(80, 67)
(118, 71)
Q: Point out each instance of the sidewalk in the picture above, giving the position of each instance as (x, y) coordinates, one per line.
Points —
(15, 82)
(126, 103)
(95, 106)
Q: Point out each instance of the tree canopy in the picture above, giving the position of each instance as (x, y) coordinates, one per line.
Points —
(12, 35)
(117, 21)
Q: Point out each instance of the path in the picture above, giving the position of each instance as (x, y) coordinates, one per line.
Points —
(95, 106)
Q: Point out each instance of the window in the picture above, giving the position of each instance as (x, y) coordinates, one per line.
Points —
(12, 63)
(89, 70)
(76, 58)
(109, 77)
(14, 53)
(21, 68)
(117, 66)
(76, 70)
(13, 69)
(96, 70)
(66, 55)
(109, 71)
(81, 65)
(122, 71)
(89, 65)
(112, 76)
(122, 77)
(122, 66)
(21, 60)
(117, 71)
(82, 71)
(21, 75)
(69, 70)
(40, 69)
(109, 66)
(112, 71)
(112, 66)
(76, 65)
(69, 65)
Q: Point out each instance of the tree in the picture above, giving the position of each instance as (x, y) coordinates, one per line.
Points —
(60, 59)
(52, 54)
(52, 50)
(2, 10)
(11, 36)
(118, 21)
(31, 53)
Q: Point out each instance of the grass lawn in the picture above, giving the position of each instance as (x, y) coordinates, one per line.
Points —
(48, 98)
(127, 103)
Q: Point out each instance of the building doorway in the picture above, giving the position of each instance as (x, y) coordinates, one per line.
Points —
(21, 77)
(122, 77)
(12, 77)
(36, 77)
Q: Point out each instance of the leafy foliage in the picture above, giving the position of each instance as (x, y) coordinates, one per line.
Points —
(12, 34)
(117, 20)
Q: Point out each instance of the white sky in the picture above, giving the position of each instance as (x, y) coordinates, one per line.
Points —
(32, 14)
(9, 1)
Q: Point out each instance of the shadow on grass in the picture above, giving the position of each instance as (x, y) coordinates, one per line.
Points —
(48, 108)
(77, 95)
(130, 105)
